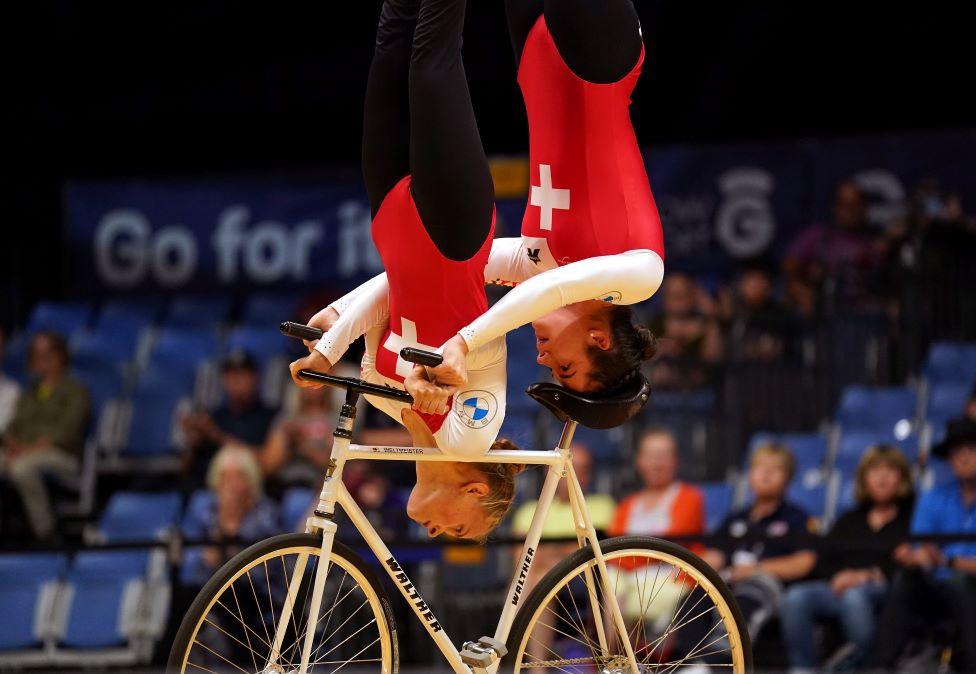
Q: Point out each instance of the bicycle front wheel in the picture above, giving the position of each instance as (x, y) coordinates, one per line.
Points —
(253, 614)
(677, 611)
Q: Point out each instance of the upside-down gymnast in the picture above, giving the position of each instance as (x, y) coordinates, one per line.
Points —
(432, 199)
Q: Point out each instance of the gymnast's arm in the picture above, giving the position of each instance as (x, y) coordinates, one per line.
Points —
(370, 307)
(627, 278)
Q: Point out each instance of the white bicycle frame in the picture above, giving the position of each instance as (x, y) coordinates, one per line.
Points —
(333, 491)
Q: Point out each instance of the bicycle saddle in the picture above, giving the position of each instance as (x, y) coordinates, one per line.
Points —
(594, 410)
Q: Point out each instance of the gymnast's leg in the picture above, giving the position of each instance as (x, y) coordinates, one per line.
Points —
(599, 40)
(452, 184)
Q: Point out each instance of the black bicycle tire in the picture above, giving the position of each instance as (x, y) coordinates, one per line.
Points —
(583, 555)
(218, 580)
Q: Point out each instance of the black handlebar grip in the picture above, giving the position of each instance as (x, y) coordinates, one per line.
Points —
(299, 331)
(420, 357)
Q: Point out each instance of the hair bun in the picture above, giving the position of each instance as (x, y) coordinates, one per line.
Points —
(648, 342)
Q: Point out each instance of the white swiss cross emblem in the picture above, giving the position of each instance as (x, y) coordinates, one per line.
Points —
(547, 198)
(395, 343)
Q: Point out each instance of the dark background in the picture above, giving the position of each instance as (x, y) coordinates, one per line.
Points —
(104, 89)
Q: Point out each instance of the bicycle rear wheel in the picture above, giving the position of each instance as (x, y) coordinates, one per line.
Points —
(678, 614)
(232, 624)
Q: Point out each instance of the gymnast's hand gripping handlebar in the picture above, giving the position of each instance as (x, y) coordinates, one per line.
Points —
(409, 354)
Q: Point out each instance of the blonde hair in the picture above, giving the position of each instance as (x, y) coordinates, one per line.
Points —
(500, 478)
(244, 459)
(873, 456)
(778, 450)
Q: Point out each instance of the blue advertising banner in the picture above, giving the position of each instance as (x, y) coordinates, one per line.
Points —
(720, 205)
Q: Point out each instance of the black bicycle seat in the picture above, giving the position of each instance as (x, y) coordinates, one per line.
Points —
(594, 410)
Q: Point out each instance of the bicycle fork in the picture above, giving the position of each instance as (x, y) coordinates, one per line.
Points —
(322, 519)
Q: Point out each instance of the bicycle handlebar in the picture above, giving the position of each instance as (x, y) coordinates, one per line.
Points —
(409, 354)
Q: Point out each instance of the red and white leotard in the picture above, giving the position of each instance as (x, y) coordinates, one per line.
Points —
(589, 193)
(591, 228)
(430, 298)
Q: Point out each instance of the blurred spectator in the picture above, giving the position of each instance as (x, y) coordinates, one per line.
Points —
(930, 268)
(970, 412)
(665, 506)
(938, 581)
(384, 506)
(762, 547)
(836, 265)
(688, 334)
(242, 419)
(9, 391)
(758, 328)
(854, 563)
(237, 511)
(45, 436)
(298, 447)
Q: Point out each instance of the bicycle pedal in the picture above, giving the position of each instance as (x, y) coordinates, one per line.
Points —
(483, 653)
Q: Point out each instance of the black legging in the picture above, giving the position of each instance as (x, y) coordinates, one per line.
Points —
(419, 120)
(598, 39)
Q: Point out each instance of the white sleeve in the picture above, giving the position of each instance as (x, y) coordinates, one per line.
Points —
(507, 264)
(343, 303)
(371, 307)
(627, 278)
(477, 412)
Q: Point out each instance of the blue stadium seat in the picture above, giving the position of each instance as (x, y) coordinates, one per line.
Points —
(133, 516)
(523, 370)
(294, 508)
(23, 577)
(890, 411)
(845, 496)
(951, 361)
(124, 321)
(196, 311)
(809, 449)
(810, 497)
(718, 502)
(520, 427)
(852, 446)
(182, 350)
(265, 310)
(606, 445)
(946, 401)
(937, 473)
(100, 583)
(262, 342)
(97, 361)
(154, 404)
(61, 317)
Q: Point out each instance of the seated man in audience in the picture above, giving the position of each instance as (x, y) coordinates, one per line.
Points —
(237, 511)
(854, 563)
(665, 506)
(938, 580)
(47, 431)
(241, 419)
(9, 392)
(758, 327)
(761, 548)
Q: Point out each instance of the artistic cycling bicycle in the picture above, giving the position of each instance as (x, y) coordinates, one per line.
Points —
(304, 602)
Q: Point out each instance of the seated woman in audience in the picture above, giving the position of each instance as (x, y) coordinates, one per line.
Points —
(298, 447)
(665, 506)
(236, 510)
(854, 563)
(761, 548)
